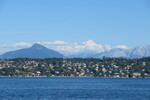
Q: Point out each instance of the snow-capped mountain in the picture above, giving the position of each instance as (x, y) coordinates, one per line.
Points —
(137, 52)
(141, 51)
(73, 49)
(117, 52)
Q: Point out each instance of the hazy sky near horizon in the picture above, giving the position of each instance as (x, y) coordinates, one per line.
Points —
(113, 22)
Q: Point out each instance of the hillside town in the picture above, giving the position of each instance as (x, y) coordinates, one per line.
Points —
(76, 67)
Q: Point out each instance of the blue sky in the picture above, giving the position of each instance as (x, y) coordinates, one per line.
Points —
(113, 22)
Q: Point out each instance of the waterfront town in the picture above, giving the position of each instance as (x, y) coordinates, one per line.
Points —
(76, 67)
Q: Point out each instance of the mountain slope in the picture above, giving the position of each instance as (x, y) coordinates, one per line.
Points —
(82, 54)
(117, 52)
(36, 51)
(137, 52)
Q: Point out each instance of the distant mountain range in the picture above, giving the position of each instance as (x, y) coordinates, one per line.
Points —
(137, 52)
(39, 51)
(36, 51)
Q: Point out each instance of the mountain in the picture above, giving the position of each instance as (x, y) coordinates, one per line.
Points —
(78, 49)
(36, 51)
(137, 52)
(88, 49)
(117, 52)
(82, 54)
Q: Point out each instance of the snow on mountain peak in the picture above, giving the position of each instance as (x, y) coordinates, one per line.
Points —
(89, 42)
(90, 45)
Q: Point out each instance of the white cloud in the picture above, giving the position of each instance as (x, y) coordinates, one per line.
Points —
(22, 44)
(11, 47)
(122, 47)
(107, 47)
(89, 42)
(73, 48)
(55, 42)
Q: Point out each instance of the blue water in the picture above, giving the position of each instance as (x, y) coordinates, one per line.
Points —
(46, 88)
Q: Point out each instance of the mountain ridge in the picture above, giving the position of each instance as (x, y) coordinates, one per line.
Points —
(35, 51)
(136, 52)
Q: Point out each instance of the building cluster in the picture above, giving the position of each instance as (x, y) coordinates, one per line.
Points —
(76, 67)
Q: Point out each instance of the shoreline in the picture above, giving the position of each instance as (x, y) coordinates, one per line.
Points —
(73, 77)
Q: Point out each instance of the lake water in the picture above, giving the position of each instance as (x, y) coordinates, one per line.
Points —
(52, 88)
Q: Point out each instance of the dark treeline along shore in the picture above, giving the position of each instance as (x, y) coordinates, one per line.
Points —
(76, 67)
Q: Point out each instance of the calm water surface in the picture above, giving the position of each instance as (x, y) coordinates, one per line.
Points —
(50, 88)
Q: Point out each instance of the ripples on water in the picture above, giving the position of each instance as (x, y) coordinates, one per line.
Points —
(50, 88)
